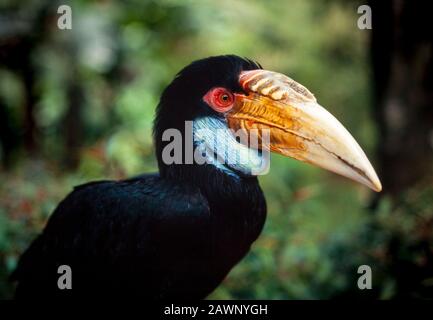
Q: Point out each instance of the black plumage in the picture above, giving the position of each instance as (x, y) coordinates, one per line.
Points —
(175, 234)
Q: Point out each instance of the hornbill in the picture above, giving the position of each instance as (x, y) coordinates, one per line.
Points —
(177, 233)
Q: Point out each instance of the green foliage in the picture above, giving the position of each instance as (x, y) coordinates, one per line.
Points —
(319, 229)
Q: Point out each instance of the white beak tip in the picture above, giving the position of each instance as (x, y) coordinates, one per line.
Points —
(376, 185)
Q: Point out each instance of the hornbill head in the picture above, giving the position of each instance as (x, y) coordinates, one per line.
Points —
(232, 102)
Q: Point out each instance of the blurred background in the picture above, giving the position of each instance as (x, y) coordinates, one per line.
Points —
(77, 105)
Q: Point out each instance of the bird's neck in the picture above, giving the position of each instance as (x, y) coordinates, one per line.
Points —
(203, 152)
(211, 180)
(236, 202)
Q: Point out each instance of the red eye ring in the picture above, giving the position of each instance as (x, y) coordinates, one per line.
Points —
(220, 99)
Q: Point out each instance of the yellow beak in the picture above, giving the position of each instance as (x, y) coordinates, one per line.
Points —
(299, 127)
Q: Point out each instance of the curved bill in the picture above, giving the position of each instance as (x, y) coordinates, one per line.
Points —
(299, 127)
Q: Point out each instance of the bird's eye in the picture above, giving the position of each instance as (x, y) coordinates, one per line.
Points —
(219, 99)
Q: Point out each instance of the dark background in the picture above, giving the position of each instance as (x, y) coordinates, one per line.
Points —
(77, 105)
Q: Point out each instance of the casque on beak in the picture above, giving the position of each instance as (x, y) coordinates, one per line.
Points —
(299, 127)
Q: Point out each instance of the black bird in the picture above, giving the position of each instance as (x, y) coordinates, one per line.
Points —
(177, 233)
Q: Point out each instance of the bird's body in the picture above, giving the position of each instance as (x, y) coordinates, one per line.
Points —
(145, 237)
(177, 233)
